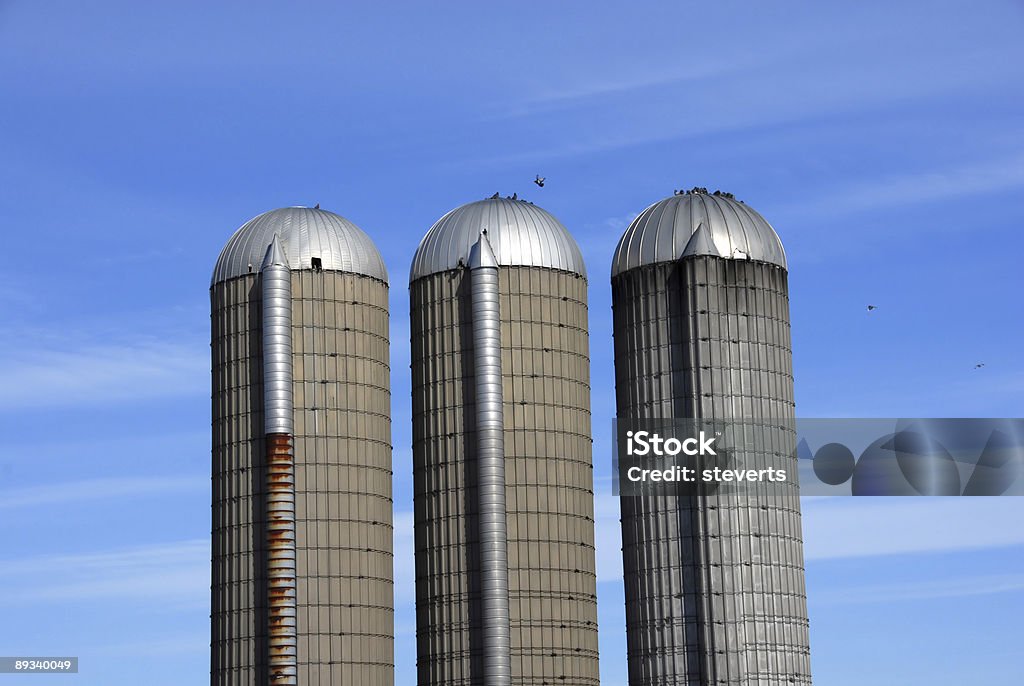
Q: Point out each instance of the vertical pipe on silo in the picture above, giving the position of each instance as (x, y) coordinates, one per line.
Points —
(490, 431)
(278, 415)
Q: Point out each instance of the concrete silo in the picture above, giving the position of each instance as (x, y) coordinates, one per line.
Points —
(302, 587)
(504, 512)
(714, 580)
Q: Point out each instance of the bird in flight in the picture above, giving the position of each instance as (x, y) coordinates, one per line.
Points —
(979, 365)
(871, 308)
(540, 180)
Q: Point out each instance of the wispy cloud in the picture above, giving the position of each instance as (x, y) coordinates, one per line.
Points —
(186, 644)
(608, 537)
(837, 528)
(98, 374)
(749, 95)
(586, 90)
(154, 254)
(793, 50)
(899, 190)
(915, 589)
(596, 238)
(405, 564)
(103, 489)
(176, 574)
(13, 294)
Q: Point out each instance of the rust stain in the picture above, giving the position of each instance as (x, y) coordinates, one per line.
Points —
(282, 640)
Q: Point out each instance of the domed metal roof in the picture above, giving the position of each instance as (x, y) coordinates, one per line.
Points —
(520, 233)
(304, 233)
(697, 223)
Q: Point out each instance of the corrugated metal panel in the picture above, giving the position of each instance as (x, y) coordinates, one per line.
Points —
(305, 233)
(697, 224)
(714, 584)
(520, 233)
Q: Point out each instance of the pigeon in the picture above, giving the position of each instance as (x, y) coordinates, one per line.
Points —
(495, 196)
(872, 307)
(979, 365)
(317, 206)
(539, 180)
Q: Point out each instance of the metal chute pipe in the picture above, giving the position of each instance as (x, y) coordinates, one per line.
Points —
(278, 409)
(277, 342)
(490, 432)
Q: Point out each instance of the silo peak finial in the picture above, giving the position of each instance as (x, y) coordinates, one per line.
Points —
(481, 254)
(275, 255)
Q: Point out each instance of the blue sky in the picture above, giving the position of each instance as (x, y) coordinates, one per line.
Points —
(884, 141)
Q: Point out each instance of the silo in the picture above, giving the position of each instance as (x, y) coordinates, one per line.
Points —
(503, 479)
(714, 580)
(302, 587)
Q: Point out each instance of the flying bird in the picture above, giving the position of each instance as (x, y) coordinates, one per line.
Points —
(872, 307)
(540, 180)
(979, 365)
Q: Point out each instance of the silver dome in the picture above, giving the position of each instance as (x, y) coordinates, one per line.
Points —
(304, 233)
(520, 233)
(697, 223)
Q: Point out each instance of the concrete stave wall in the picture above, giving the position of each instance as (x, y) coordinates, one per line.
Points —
(343, 481)
(549, 479)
